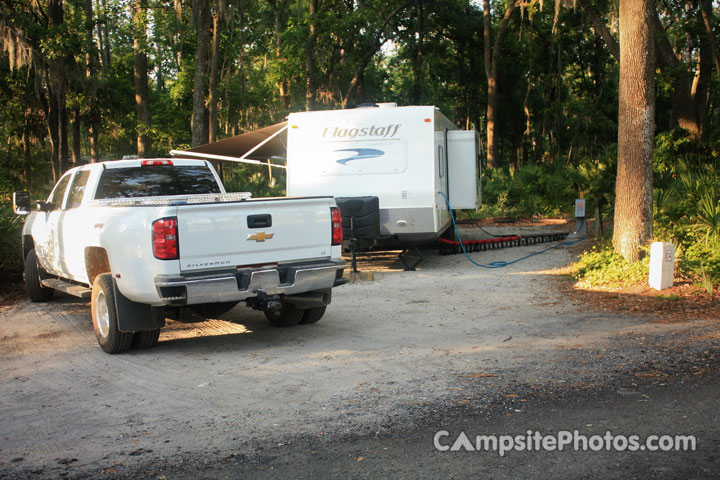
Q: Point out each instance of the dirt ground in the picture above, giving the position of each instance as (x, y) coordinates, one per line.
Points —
(386, 349)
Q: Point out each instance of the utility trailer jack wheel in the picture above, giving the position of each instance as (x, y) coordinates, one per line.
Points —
(404, 257)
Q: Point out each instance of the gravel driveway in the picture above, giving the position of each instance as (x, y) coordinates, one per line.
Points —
(231, 386)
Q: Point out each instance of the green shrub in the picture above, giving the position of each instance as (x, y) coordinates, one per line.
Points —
(601, 266)
(254, 179)
(548, 189)
(701, 262)
(11, 261)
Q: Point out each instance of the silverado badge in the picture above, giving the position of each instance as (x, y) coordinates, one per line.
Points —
(260, 236)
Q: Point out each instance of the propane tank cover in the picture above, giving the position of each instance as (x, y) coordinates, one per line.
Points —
(662, 265)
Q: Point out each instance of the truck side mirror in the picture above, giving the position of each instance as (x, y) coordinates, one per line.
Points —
(21, 203)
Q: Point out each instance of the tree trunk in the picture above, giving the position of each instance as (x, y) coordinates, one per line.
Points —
(706, 12)
(686, 98)
(703, 74)
(633, 190)
(680, 94)
(140, 78)
(76, 154)
(91, 60)
(198, 125)
(491, 151)
(218, 18)
(104, 35)
(65, 163)
(310, 82)
(418, 60)
(99, 39)
(601, 29)
(57, 89)
(492, 58)
(278, 8)
(376, 45)
(214, 61)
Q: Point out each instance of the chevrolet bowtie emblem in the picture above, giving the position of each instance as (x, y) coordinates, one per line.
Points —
(260, 236)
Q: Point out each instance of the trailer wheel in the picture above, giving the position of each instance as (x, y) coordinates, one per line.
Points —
(286, 316)
(104, 316)
(312, 315)
(146, 339)
(33, 273)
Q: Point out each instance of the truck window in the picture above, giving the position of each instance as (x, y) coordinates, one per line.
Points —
(77, 189)
(56, 197)
(155, 181)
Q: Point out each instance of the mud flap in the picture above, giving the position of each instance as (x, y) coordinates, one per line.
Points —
(136, 317)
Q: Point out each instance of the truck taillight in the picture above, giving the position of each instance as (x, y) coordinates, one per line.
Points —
(337, 232)
(165, 239)
(149, 163)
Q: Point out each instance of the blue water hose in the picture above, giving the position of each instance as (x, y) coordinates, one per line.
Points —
(499, 263)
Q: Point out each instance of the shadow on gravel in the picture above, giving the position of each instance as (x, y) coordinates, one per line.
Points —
(242, 334)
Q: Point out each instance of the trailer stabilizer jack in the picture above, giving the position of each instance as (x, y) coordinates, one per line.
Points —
(415, 260)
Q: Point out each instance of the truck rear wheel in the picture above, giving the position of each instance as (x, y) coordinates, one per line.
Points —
(286, 316)
(33, 274)
(104, 316)
(312, 315)
(146, 339)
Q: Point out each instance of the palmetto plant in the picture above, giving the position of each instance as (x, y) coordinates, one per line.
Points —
(708, 215)
(699, 197)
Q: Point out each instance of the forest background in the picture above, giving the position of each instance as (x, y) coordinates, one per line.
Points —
(94, 80)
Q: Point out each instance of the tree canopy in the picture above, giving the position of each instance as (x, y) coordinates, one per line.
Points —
(89, 80)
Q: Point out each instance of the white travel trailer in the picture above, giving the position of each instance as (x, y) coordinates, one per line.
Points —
(407, 157)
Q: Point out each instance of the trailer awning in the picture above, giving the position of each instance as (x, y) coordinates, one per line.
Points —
(248, 147)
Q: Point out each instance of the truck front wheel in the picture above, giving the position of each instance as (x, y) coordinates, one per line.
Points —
(33, 274)
(104, 316)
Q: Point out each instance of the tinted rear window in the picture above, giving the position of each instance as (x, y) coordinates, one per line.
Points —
(155, 181)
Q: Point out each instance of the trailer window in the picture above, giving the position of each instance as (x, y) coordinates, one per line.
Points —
(154, 181)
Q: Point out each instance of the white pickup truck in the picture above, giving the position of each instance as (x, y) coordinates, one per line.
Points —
(147, 238)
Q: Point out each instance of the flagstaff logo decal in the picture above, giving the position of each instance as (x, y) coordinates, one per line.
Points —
(374, 132)
(359, 154)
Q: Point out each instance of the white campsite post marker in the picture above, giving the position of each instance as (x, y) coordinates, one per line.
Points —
(580, 220)
(662, 265)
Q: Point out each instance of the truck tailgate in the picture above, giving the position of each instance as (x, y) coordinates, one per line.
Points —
(222, 235)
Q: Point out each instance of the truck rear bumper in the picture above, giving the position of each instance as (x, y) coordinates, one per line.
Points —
(236, 285)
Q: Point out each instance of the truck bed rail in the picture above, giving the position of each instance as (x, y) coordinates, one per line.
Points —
(173, 200)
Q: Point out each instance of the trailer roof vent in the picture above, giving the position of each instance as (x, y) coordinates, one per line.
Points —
(376, 105)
